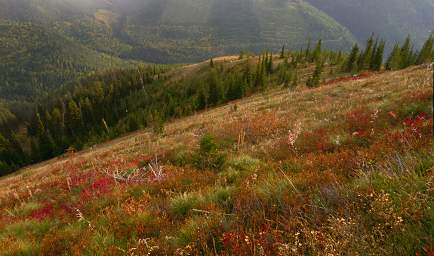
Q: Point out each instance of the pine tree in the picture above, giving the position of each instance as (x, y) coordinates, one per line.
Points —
(269, 64)
(377, 60)
(394, 60)
(215, 89)
(426, 53)
(367, 54)
(406, 53)
(316, 55)
(73, 119)
(40, 128)
(351, 63)
(282, 53)
(315, 80)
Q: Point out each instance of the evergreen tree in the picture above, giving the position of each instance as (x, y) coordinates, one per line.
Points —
(211, 63)
(367, 54)
(406, 53)
(215, 89)
(351, 63)
(269, 64)
(315, 80)
(282, 53)
(316, 55)
(377, 60)
(73, 119)
(426, 53)
(394, 60)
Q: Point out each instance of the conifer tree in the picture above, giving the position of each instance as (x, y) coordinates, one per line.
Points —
(315, 80)
(377, 60)
(365, 58)
(269, 64)
(73, 118)
(394, 60)
(282, 53)
(426, 53)
(211, 63)
(351, 63)
(215, 90)
(316, 55)
(406, 53)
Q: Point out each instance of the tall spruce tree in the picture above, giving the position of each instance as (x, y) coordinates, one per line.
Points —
(426, 53)
(315, 80)
(316, 54)
(394, 60)
(351, 63)
(406, 53)
(377, 60)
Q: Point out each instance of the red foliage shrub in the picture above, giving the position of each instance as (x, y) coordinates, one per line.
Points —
(98, 187)
(348, 78)
(315, 141)
(359, 121)
(42, 213)
(264, 242)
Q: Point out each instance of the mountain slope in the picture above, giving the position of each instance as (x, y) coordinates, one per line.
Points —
(35, 59)
(182, 30)
(323, 169)
(191, 30)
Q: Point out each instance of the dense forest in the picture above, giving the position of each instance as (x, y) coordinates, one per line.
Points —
(105, 105)
(35, 59)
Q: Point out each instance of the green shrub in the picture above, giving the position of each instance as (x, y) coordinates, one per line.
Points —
(208, 157)
(181, 205)
(27, 229)
(221, 196)
(239, 167)
(24, 209)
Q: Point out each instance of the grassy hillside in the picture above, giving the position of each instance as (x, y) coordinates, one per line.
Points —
(36, 59)
(346, 168)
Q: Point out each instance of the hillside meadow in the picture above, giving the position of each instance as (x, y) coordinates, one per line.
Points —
(342, 169)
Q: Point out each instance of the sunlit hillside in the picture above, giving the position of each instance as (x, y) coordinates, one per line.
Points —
(344, 168)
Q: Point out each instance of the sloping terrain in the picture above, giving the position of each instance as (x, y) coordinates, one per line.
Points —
(168, 31)
(343, 168)
(35, 59)
(193, 30)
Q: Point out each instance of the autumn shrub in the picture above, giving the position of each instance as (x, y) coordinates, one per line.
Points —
(22, 247)
(24, 209)
(208, 157)
(318, 140)
(27, 229)
(201, 234)
(238, 167)
(274, 189)
(180, 206)
(59, 242)
(220, 196)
